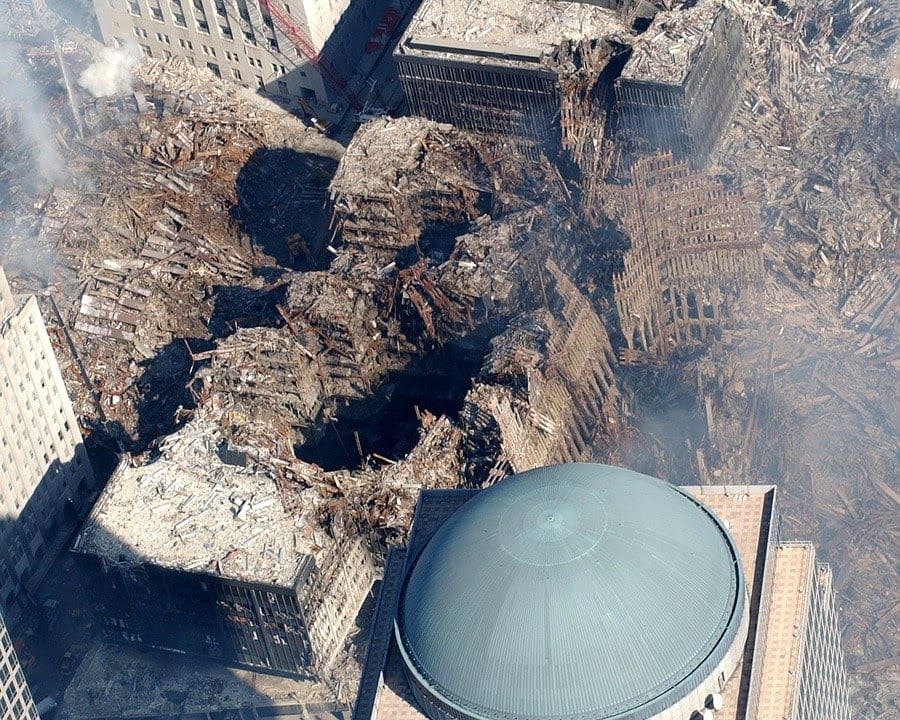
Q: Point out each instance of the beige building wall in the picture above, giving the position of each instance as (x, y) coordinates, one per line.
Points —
(236, 39)
(15, 698)
(44, 468)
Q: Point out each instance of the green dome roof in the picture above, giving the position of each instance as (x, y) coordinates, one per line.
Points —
(570, 592)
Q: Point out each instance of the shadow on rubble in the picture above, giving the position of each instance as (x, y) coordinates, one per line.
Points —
(282, 205)
(385, 424)
(163, 389)
(240, 307)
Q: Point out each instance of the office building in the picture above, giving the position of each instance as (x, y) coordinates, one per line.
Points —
(45, 475)
(573, 73)
(15, 698)
(592, 592)
(194, 552)
(301, 53)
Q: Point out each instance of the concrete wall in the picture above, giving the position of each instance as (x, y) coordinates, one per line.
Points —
(44, 468)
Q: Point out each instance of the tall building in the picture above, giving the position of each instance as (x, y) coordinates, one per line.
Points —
(45, 474)
(265, 45)
(16, 702)
(592, 592)
(195, 553)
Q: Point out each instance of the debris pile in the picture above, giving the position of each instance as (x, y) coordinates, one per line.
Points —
(400, 176)
(547, 392)
(144, 237)
(815, 135)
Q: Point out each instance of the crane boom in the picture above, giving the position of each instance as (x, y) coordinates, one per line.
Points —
(332, 76)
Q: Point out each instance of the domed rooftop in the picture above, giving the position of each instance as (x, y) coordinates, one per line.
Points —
(570, 592)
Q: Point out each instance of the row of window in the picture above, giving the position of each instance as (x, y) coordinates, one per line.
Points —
(225, 31)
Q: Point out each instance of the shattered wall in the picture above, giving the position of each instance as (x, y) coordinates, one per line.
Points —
(695, 246)
(546, 390)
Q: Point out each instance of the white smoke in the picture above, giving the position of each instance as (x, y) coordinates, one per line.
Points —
(110, 73)
(29, 109)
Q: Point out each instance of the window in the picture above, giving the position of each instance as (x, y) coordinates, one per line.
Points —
(147, 51)
(156, 14)
(134, 8)
(167, 55)
(225, 32)
(273, 43)
(282, 87)
(235, 73)
(203, 26)
(179, 20)
(259, 83)
(215, 69)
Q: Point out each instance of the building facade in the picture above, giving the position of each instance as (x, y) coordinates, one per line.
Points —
(458, 64)
(822, 690)
(45, 474)
(679, 89)
(15, 698)
(649, 80)
(292, 630)
(780, 660)
(264, 45)
(196, 554)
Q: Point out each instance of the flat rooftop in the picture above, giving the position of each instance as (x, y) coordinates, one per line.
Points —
(665, 51)
(188, 510)
(792, 583)
(506, 32)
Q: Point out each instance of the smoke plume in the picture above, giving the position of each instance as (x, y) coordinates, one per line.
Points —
(27, 107)
(110, 73)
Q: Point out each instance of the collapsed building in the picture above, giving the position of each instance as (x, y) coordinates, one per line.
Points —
(195, 553)
(547, 392)
(401, 180)
(695, 244)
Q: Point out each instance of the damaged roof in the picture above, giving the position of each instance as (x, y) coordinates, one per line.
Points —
(187, 509)
(509, 32)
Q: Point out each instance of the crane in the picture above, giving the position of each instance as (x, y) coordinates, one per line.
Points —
(331, 76)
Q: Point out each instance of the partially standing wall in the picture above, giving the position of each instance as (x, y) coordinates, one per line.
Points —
(695, 247)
